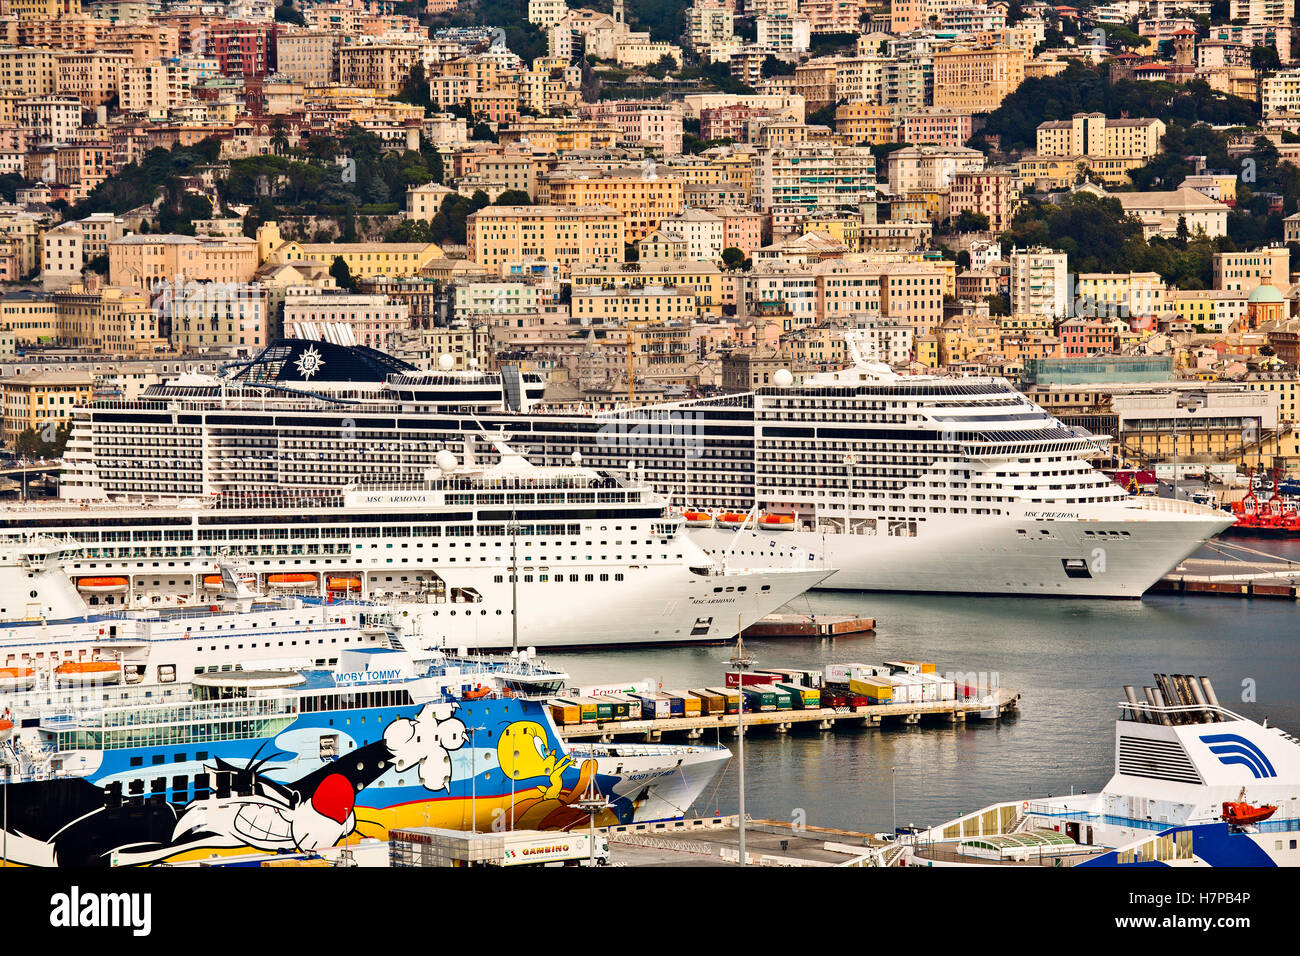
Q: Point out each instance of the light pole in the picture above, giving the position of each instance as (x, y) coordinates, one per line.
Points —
(473, 780)
(1190, 403)
(591, 803)
(893, 788)
(741, 662)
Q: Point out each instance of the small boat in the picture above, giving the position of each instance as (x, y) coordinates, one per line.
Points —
(6, 729)
(88, 672)
(17, 678)
(212, 582)
(698, 519)
(343, 584)
(291, 580)
(478, 693)
(1240, 813)
(732, 519)
(776, 522)
(102, 585)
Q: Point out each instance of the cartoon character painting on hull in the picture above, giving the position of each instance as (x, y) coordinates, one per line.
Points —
(78, 822)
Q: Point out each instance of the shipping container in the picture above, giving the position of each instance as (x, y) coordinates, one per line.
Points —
(868, 671)
(878, 690)
(633, 704)
(805, 698)
(564, 712)
(618, 709)
(784, 699)
(604, 708)
(923, 667)
(684, 704)
(904, 667)
(652, 706)
(805, 678)
(751, 677)
(833, 698)
(760, 697)
(710, 703)
(859, 700)
(586, 706)
(839, 673)
(728, 694)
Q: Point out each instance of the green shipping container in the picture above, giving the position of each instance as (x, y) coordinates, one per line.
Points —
(758, 699)
(805, 698)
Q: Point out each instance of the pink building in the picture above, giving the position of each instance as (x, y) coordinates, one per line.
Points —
(372, 318)
(742, 229)
(940, 127)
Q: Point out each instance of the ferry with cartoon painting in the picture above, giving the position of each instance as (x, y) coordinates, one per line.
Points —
(263, 761)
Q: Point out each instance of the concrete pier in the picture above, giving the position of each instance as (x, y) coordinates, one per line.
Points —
(1239, 579)
(1001, 703)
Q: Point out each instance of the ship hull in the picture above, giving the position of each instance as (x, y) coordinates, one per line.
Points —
(1106, 554)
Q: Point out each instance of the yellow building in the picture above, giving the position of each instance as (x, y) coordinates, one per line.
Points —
(502, 238)
(31, 316)
(144, 260)
(1061, 172)
(645, 195)
(976, 80)
(43, 9)
(927, 350)
(712, 286)
(39, 399)
(1093, 135)
(865, 123)
(620, 305)
(559, 134)
(383, 67)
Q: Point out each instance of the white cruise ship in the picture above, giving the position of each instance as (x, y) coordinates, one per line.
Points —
(908, 483)
(600, 561)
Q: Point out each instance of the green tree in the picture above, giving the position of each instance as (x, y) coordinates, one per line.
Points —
(513, 197)
(342, 274)
(732, 257)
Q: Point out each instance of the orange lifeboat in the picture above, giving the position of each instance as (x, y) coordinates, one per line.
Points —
(6, 729)
(732, 519)
(343, 584)
(1242, 814)
(88, 672)
(294, 579)
(478, 693)
(16, 678)
(102, 585)
(698, 519)
(776, 522)
(212, 582)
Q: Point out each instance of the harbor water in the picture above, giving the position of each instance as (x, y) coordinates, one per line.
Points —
(1068, 659)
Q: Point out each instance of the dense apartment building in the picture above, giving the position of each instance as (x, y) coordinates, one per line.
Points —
(976, 79)
(510, 240)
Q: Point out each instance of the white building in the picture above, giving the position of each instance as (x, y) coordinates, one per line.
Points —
(1040, 282)
(702, 230)
(929, 168)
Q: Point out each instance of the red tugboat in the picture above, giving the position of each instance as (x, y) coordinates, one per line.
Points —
(1276, 517)
(1241, 813)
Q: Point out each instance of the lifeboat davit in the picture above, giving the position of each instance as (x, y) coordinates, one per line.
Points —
(732, 519)
(17, 678)
(343, 584)
(698, 519)
(102, 585)
(291, 580)
(88, 672)
(776, 522)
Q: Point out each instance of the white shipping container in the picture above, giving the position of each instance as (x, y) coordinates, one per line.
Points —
(839, 673)
(867, 671)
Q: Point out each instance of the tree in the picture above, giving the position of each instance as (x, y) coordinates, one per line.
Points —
(971, 221)
(1264, 58)
(342, 274)
(732, 257)
(513, 197)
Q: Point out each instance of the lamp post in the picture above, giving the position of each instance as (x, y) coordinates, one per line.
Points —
(591, 803)
(473, 780)
(741, 662)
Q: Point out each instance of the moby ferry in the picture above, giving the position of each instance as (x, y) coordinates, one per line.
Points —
(244, 762)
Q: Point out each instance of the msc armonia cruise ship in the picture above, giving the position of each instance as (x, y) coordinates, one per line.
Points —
(909, 483)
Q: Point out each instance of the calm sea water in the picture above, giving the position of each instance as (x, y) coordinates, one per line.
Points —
(1068, 659)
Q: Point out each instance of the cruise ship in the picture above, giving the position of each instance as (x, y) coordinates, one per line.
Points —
(890, 482)
(1194, 785)
(263, 761)
(598, 559)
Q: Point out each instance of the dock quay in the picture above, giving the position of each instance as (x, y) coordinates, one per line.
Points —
(998, 704)
(810, 625)
(714, 841)
(1233, 578)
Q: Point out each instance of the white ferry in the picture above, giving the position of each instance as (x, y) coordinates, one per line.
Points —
(908, 483)
(51, 638)
(1195, 785)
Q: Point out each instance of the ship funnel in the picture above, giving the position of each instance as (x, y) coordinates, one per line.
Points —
(1159, 700)
(1209, 696)
(1194, 686)
(1137, 714)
